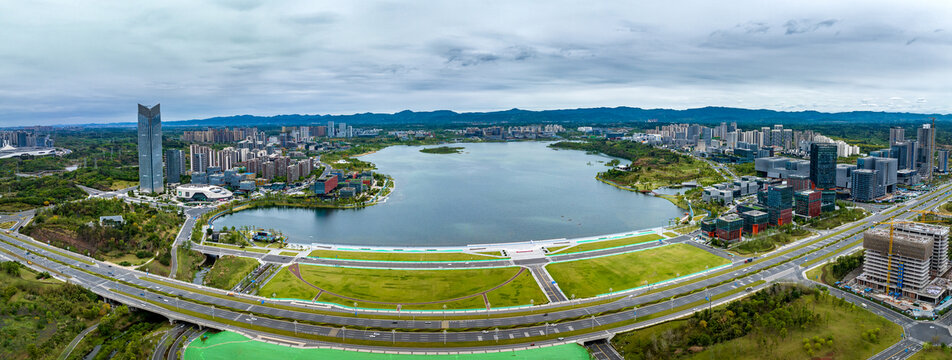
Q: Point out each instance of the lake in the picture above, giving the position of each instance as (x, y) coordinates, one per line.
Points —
(489, 193)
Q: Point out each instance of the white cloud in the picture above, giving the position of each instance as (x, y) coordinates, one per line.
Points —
(65, 62)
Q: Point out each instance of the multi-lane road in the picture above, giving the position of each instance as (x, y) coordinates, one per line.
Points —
(296, 323)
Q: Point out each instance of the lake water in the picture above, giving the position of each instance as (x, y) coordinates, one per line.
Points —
(490, 193)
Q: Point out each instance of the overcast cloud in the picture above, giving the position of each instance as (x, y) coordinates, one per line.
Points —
(92, 61)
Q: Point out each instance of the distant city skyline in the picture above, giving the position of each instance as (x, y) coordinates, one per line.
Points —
(73, 63)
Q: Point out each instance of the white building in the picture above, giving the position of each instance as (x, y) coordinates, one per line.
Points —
(199, 192)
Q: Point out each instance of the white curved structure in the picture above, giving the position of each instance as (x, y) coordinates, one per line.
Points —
(199, 192)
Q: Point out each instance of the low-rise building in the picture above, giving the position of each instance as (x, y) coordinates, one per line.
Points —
(199, 192)
(729, 227)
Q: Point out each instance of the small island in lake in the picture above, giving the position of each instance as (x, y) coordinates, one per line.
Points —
(442, 150)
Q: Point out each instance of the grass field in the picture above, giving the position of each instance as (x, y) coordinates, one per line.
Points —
(228, 271)
(933, 353)
(605, 244)
(398, 256)
(289, 253)
(407, 286)
(131, 258)
(7, 225)
(846, 327)
(155, 267)
(228, 346)
(587, 278)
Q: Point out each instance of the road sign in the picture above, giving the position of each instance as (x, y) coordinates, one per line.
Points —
(553, 282)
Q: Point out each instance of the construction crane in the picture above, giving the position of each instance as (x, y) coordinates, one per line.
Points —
(891, 231)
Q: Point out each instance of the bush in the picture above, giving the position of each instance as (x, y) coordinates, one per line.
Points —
(165, 258)
(142, 254)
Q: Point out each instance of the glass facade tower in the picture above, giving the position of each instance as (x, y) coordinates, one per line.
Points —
(150, 150)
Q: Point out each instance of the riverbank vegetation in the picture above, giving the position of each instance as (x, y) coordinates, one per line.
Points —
(144, 230)
(781, 322)
(442, 150)
(650, 167)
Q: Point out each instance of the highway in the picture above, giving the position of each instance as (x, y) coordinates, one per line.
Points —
(233, 313)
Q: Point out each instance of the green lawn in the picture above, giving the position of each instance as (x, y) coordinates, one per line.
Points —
(587, 278)
(131, 258)
(228, 271)
(228, 346)
(605, 244)
(846, 327)
(407, 286)
(155, 267)
(933, 353)
(716, 340)
(289, 253)
(398, 256)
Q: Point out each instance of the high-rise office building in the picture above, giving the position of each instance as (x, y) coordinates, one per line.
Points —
(150, 149)
(926, 162)
(867, 185)
(823, 173)
(943, 160)
(823, 165)
(905, 153)
(174, 165)
(896, 135)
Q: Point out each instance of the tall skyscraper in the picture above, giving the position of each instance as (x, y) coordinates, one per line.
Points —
(823, 173)
(174, 165)
(943, 161)
(150, 149)
(896, 135)
(823, 165)
(925, 138)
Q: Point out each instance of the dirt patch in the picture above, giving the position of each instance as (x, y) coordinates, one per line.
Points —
(61, 237)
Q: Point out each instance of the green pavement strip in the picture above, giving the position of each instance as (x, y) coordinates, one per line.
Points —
(229, 345)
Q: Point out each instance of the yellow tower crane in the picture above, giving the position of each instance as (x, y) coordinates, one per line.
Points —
(891, 230)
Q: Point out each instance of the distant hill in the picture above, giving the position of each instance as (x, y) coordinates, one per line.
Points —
(617, 115)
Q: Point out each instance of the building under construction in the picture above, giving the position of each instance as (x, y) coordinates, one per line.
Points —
(914, 268)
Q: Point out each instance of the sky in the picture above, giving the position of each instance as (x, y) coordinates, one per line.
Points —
(69, 62)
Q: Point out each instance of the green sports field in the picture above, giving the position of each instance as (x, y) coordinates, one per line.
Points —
(230, 346)
(384, 289)
(587, 278)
